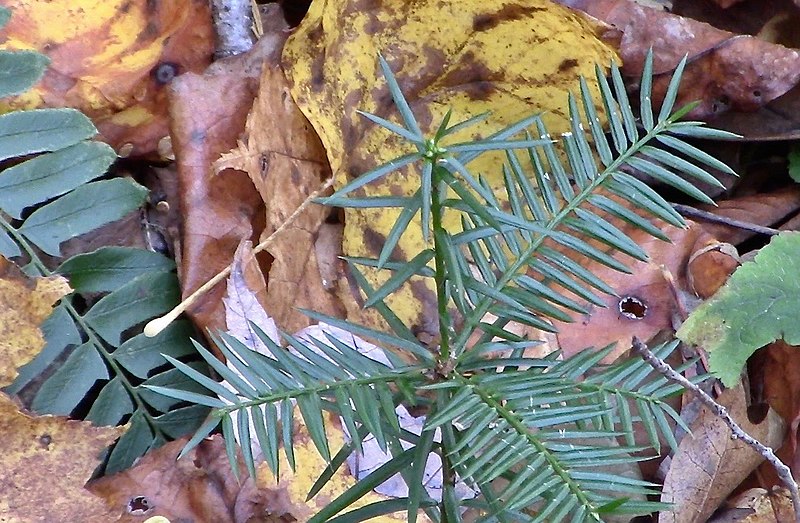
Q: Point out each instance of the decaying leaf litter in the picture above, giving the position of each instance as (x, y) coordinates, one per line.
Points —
(472, 65)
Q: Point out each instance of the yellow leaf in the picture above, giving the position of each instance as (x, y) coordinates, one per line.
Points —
(293, 487)
(46, 461)
(511, 58)
(24, 304)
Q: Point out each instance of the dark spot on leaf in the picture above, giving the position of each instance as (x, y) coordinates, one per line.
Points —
(374, 241)
(318, 73)
(428, 320)
(632, 307)
(474, 78)
(45, 440)
(295, 177)
(484, 22)
(124, 8)
(264, 164)
(165, 72)
(139, 505)
(567, 64)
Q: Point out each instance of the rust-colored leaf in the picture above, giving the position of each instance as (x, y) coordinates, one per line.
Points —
(112, 60)
(286, 162)
(725, 70)
(198, 487)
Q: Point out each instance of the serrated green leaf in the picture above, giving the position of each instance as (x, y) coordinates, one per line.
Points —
(39, 130)
(757, 306)
(49, 175)
(179, 422)
(109, 268)
(80, 211)
(143, 298)
(140, 355)
(62, 392)
(111, 405)
(8, 247)
(20, 70)
(131, 445)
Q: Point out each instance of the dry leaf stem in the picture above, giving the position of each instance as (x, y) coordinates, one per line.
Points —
(157, 325)
(783, 471)
(693, 212)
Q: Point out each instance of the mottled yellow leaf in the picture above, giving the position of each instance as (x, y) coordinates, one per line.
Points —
(46, 461)
(513, 58)
(24, 304)
(293, 487)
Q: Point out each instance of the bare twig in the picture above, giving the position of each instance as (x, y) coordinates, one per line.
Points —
(233, 22)
(784, 472)
(724, 220)
(157, 325)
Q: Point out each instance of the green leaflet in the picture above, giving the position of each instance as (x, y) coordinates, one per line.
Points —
(757, 306)
(49, 198)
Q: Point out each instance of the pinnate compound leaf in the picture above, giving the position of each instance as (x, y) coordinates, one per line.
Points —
(757, 306)
(53, 174)
(143, 298)
(82, 210)
(71, 382)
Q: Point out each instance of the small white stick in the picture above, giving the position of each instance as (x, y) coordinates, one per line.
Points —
(155, 326)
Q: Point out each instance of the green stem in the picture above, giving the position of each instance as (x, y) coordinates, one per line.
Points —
(438, 195)
(42, 269)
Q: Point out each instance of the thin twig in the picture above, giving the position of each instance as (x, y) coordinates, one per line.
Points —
(724, 220)
(157, 325)
(784, 472)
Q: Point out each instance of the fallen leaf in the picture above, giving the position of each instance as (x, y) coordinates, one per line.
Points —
(24, 304)
(112, 61)
(711, 463)
(645, 300)
(509, 58)
(46, 462)
(286, 162)
(198, 487)
(756, 306)
(292, 487)
(725, 71)
(764, 208)
(757, 505)
(219, 210)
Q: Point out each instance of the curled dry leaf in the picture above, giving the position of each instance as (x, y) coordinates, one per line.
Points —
(46, 462)
(24, 304)
(710, 464)
(114, 62)
(286, 162)
(513, 59)
(219, 210)
(725, 71)
(198, 487)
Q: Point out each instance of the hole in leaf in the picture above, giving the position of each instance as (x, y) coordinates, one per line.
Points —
(632, 307)
(139, 505)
